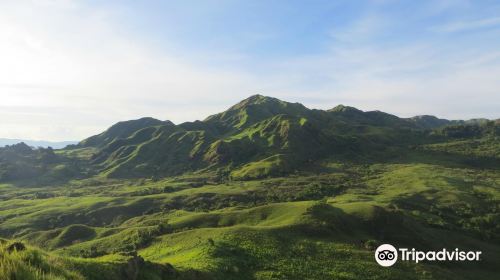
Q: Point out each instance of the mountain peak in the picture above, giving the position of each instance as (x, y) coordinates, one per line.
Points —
(344, 109)
(20, 148)
(255, 100)
(424, 117)
(428, 121)
(254, 109)
(122, 129)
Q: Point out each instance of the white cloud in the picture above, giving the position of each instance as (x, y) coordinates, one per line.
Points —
(467, 25)
(59, 54)
(68, 71)
(445, 78)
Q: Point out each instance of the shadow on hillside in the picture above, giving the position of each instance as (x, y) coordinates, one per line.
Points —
(391, 226)
(40, 183)
(409, 156)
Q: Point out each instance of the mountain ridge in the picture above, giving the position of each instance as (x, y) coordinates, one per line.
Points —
(36, 143)
(265, 190)
(258, 137)
(262, 129)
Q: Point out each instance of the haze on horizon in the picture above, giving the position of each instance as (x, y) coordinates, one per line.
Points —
(71, 68)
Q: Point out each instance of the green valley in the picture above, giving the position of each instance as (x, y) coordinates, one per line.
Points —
(264, 190)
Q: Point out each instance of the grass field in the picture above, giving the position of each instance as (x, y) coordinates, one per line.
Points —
(301, 226)
(264, 190)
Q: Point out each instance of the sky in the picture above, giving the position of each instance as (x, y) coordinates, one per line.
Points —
(71, 68)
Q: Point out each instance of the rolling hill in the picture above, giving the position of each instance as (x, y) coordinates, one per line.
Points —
(258, 137)
(36, 143)
(264, 190)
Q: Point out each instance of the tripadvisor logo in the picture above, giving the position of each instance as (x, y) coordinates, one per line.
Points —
(387, 255)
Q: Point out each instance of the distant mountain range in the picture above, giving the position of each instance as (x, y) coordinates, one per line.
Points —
(36, 143)
(264, 190)
(258, 137)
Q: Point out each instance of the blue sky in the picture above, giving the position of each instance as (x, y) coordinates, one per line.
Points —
(71, 68)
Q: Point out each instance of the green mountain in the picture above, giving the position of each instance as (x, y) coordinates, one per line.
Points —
(118, 131)
(264, 190)
(20, 162)
(258, 137)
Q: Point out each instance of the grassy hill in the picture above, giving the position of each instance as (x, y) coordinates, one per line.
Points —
(258, 137)
(265, 190)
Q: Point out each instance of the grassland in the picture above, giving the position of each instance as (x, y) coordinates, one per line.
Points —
(303, 226)
(265, 190)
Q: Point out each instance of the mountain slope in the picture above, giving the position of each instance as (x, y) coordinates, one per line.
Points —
(260, 135)
(266, 190)
(254, 109)
(120, 130)
(43, 165)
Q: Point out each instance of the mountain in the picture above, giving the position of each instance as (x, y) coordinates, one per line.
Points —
(254, 109)
(120, 130)
(267, 189)
(22, 162)
(431, 122)
(36, 143)
(258, 137)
